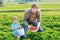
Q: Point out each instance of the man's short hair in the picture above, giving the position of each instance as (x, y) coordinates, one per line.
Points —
(34, 5)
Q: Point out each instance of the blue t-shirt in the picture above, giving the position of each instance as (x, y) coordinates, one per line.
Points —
(13, 26)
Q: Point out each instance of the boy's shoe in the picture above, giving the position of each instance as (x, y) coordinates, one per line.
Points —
(18, 36)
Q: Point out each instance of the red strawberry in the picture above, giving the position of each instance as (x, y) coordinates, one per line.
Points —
(33, 28)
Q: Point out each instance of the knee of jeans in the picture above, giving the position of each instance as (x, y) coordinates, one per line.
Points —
(40, 30)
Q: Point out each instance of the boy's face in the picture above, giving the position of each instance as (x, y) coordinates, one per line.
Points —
(15, 19)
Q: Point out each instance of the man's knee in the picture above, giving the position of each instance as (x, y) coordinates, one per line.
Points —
(40, 29)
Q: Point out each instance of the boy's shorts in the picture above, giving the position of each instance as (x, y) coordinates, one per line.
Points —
(15, 33)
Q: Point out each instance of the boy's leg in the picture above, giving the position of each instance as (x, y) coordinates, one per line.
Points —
(15, 34)
(40, 28)
(25, 29)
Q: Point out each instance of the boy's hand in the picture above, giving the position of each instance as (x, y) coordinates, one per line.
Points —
(19, 26)
(13, 29)
(16, 27)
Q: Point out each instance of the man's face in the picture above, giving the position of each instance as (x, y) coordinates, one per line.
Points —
(34, 10)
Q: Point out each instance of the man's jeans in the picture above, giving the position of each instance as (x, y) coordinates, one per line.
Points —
(26, 28)
(34, 24)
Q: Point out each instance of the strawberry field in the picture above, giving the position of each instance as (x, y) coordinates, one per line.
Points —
(50, 22)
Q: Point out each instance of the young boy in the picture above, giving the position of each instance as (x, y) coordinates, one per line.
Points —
(16, 26)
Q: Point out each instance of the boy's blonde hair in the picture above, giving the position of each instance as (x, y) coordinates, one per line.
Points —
(15, 18)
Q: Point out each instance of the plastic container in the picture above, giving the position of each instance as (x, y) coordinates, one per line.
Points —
(21, 31)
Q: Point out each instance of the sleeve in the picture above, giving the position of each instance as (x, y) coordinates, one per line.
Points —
(26, 16)
(39, 16)
(19, 24)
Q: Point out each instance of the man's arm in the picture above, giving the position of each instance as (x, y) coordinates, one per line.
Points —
(39, 18)
(26, 16)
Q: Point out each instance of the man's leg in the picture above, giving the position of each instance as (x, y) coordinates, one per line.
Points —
(25, 28)
(40, 28)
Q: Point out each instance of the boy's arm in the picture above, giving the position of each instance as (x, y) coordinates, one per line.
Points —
(19, 26)
(12, 27)
(15, 27)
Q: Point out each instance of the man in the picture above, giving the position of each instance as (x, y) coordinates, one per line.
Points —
(32, 16)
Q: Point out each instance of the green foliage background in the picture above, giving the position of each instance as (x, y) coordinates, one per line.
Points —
(50, 22)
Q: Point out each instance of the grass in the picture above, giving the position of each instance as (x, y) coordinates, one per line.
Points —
(25, 6)
(50, 22)
(51, 13)
(49, 19)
